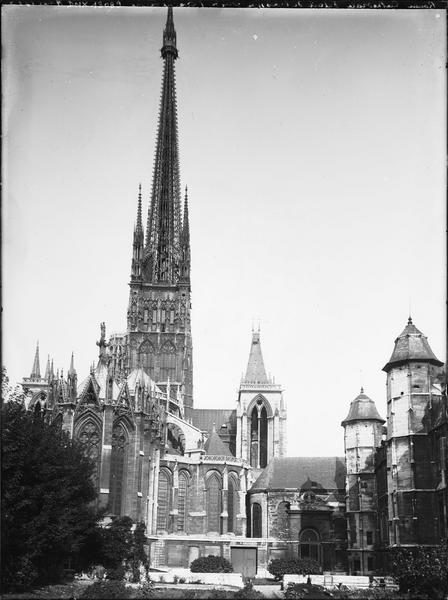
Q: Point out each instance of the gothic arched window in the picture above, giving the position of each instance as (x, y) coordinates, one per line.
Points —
(118, 468)
(259, 436)
(146, 356)
(232, 503)
(213, 503)
(309, 546)
(168, 362)
(163, 501)
(257, 530)
(89, 434)
(182, 502)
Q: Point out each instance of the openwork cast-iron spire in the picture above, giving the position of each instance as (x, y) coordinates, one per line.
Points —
(162, 249)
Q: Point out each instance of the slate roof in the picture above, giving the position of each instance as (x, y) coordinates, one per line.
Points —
(204, 418)
(362, 408)
(307, 472)
(411, 344)
(255, 372)
(214, 446)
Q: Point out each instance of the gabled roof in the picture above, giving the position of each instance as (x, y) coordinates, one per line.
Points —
(411, 344)
(214, 446)
(255, 372)
(362, 408)
(205, 418)
(308, 472)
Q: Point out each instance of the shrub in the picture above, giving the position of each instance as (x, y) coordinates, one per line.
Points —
(293, 566)
(116, 573)
(105, 590)
(247, 593)
(211, 564)
(146, 590)
(294, 591)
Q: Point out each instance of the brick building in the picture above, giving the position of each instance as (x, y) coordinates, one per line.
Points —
(207, 480)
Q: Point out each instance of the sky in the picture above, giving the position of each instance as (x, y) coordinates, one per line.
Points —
(313, 144)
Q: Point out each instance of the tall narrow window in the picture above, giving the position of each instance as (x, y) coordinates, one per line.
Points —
(90, 437)
(182, 502)
(214, 504)
(163, 502)
(232, 504)
(263, 438)
(146, 357)
(168, 362)
(256, 520)
(117, 468)
(254, 438)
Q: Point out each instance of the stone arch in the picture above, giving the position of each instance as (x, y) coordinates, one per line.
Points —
(213, 503)
(175, 438)
(164, 499)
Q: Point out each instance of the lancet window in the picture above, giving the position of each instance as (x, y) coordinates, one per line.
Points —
(89, 435)
(118, 468)
(163, 501)
(232, 503)
(168, 362)
(256, 520)
(259, 436)
(214, 503)
(182, 502)
(147, 357)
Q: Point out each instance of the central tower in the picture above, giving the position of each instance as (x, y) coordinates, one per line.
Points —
(158, 337)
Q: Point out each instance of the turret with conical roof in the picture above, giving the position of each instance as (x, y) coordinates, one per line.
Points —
(413, 345)
(412, 371)
(35, 371)
(363, 429)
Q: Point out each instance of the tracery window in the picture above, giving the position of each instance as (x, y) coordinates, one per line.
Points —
(256, 520)
(283, 519)
(213, 503)
(163, 501)
(118, 468)
(309, 546)
(168, 362)
(89, 435)
(232, 503)
(147, 357)
(182, 502)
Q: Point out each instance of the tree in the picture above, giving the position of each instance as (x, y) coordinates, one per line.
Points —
(47, 495)
(11, 393)
(422, 571)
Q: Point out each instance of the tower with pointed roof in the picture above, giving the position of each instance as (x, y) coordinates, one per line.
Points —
(363, 429)
(261, 413)
(158, 337)
(412, 371)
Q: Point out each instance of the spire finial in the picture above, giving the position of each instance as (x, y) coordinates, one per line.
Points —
(72, 370)
(47, 370)
(169, 36)
(35, 373)
(103, 344)
(362, 390)
(410, 320)
(139, 209)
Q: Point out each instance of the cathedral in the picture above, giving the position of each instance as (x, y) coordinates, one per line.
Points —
(218, 481)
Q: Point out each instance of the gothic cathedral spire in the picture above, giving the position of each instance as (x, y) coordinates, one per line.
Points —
(158, 337)
(162, 248)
